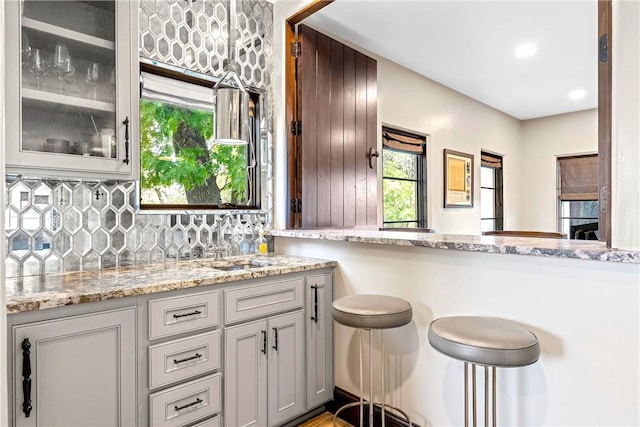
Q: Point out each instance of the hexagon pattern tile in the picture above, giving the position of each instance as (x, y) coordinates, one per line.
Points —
(193, 35)
(54, 226)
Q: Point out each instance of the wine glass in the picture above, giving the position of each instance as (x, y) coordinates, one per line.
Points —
(59, 62)
(92, 78)
(68, 74)
(39, 66)
(26, 50)
(111, 82)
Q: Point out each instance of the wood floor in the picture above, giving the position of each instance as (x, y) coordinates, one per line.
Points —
(324, 420)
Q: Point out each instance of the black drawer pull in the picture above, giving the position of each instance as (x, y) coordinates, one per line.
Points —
(193, 313)
(315, 303)
(26, 375)
(197, 356)
(264, 342)
(180, 408)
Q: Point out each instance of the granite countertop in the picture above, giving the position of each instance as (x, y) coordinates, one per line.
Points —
(557, 248)
(55, 290)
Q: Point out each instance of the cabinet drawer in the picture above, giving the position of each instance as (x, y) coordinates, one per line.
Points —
(181, 359)
(186, 403)
(175, 315)
(211, 422)
(263, 300)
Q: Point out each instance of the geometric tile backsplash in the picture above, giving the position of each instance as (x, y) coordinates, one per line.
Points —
(55, 226)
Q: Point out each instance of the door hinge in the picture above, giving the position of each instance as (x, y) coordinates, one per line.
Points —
(296, 49)
(296, 206)
(603, 48)
(296, 127)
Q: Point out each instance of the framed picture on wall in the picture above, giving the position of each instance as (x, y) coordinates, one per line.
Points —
(458, 179)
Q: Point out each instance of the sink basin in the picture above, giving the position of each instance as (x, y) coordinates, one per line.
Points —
(236, 267)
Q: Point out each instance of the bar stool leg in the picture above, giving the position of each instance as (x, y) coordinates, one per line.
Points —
(361, 384)
(473, 385)
(382, 391)
(370, 378)
(493, 400)
(486, 396)
(466, 394)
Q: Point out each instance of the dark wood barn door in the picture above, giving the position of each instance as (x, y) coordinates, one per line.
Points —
(337, 111)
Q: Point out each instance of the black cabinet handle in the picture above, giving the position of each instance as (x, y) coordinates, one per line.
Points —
(26, 377)
(197, 356)
(264, 342)
(315, 303)
(193, 313)
(179, 408)
(126, 140)
(275, 339)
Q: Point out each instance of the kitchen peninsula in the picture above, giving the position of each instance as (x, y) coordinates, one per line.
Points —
(584, 313)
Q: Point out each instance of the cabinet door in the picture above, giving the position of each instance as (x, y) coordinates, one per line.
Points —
(286, 367)
(245, 390)
(319, 340)
(69, 87)
(83, 370)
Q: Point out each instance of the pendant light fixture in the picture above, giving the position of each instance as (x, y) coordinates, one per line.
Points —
(231, 101)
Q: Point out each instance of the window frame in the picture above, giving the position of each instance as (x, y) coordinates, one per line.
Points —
(257, 96)
(421, 181)
(559, 202)
(498, 188)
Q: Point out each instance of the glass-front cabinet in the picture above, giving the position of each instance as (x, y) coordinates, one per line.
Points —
(71, 99)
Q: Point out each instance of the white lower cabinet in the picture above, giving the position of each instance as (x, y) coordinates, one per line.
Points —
(76, 371)
(264, 384)
(319, 339)
(252, 353)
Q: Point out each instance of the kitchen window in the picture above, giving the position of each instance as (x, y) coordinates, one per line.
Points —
(491, 210)
(180, 166)
(578, 196)
(403, 179)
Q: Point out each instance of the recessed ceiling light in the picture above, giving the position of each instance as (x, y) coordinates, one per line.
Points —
(526, 50)
(577, 94)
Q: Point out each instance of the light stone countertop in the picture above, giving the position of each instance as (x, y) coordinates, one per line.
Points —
(55, 290)
(555, 248)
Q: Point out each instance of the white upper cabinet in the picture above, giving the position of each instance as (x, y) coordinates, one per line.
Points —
(72, 88)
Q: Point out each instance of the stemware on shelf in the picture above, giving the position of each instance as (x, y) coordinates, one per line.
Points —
(39, 66)
(111, 82)
(60, 62)
(68, 73)
(92, 78)
(26, 50)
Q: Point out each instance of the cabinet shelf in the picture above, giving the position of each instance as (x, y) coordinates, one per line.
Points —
(64, 103)
(67, 34)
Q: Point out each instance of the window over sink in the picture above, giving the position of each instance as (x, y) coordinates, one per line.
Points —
(180, 165)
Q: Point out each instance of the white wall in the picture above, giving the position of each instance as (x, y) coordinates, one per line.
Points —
(625, 156)
(456, 122)
(585, 314)
(3, 324)
(542, 141)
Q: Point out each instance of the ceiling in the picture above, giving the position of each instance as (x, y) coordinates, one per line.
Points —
(470, 46)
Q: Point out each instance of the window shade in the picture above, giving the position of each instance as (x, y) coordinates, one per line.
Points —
(579, 177)
(491, 161)
(403, 142)
(164, 89)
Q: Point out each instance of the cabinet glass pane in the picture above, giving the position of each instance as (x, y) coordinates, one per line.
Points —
(69, 78)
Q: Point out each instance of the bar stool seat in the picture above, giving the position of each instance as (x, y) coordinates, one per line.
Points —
(484, 341)
(369, 313)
